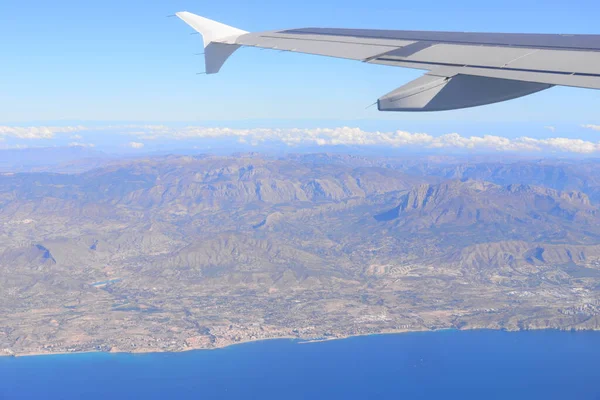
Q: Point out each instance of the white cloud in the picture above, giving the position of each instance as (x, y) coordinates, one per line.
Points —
(592, 127)
(318, 137)
(13, 147)
(38, 132)
(550, 128)
(357, 136)
(570, 145)
(76, 137)
(77, 144)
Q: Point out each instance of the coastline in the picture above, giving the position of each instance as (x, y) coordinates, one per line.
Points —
(299, 340)
(143, 351)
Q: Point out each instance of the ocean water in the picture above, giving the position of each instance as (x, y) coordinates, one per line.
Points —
(434, 365)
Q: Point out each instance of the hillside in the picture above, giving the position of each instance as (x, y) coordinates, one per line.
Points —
(177, 252)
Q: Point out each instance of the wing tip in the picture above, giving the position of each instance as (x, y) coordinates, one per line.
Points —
(218, 39)
(210, 30)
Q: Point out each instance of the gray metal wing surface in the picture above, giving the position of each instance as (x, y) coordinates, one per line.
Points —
(465, 69)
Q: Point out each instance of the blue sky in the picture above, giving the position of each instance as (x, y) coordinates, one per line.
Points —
(67, 62)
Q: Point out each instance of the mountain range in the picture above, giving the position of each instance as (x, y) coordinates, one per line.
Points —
(168, 253)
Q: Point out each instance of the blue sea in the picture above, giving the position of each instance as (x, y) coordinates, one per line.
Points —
(433, 365)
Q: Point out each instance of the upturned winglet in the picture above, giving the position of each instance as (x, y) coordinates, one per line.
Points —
(219, 39)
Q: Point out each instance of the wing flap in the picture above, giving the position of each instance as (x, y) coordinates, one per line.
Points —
(555, 79)
(522, 59)
(465, 55)
(582, 62)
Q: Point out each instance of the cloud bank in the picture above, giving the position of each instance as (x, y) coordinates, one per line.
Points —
(79, 144)
(347, 136)
(136, 145)
(38, 132)
(358, 137)
(592, 127)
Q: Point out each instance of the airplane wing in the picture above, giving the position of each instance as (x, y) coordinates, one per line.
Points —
(465, 69)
